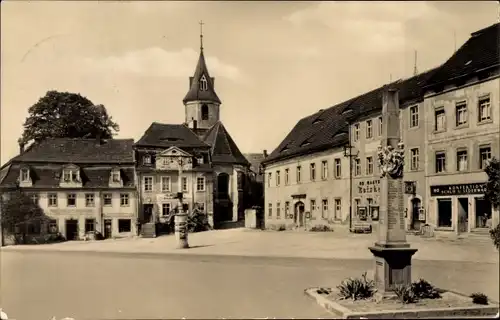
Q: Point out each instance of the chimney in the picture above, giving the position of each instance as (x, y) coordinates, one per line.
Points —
(265, 153)
(21, 147)
(195, 125)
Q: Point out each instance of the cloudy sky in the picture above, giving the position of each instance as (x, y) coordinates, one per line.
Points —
(274, 62)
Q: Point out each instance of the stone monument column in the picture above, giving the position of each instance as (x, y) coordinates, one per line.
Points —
(180, 220)
(392, 254)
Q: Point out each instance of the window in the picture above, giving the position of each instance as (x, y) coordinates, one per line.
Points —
(270, 210)
(380, 128)
(287, 209)
(278, 210)
(108, 199)
(148, 184)
(71, 175)
(52, 226)
(313, 205)
(115, 176)
(200, 184)
(414, 158)
(462, 160)
(356, 205)
(200, 160)
(440, 162)
(146, 159)
(369, 165)
(71, 200)
(287, 176)
(52, 199)
(484, 109)
(124, 225)
(338, 168)
(277, 178)
(165, 184)
(269, 176)
(461, 113)
(324, 212)
(313, 171)
(357, 167)
(124, 199)
(369, 129)
(484, 156)
(89, 200)
(444, 212)
(165, 209)
(203, 83)
(338, 209)
(439, 120)
(356, 132)
(184, 184)
(204, 112)
(89, 225)
(25, 174)
(298, 174)
(324, 169)
(201, 206)
(414, 116)
(34, 198)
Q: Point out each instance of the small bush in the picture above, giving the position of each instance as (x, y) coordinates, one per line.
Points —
(495, 236)
(405, 293)
(357, 288)
(424, 290)
(479, 298)
(321, 228)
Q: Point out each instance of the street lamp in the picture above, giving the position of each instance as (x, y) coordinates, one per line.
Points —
(348, 154)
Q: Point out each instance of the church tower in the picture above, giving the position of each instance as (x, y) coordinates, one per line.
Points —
(202, 105)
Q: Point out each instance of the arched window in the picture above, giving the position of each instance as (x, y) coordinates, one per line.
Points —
(204, 112)
(203, 83)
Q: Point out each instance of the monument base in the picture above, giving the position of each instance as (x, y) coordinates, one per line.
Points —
(392, 267)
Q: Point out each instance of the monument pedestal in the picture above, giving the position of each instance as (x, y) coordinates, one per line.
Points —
(392, 267)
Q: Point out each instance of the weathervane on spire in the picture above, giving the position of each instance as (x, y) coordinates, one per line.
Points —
(201, 34)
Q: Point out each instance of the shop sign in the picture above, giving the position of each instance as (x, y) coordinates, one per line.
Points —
(166, 196)
(369, 186)
(458, 189)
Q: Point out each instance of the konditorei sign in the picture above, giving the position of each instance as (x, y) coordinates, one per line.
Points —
(458, 189)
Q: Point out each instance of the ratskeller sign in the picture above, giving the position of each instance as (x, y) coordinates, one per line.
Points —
(458, 189)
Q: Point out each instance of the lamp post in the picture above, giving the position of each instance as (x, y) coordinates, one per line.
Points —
(348, 154)
(180, 218)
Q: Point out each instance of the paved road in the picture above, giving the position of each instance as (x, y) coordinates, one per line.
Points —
(39, 285)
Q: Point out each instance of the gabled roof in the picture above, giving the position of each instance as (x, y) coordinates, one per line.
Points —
(169, 135)
(480, 52)
(67, 150)
(223, 147)
(329, 128)
(195, 93)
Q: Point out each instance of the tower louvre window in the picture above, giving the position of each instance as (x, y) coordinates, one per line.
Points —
(203, 83)
(204, 112)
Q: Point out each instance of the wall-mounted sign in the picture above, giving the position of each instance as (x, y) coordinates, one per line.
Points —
(421, 214)
(308, 215)
(410, 187)
(165, 197)
(362, 214)
(458, 189)
(369, 186)
(374, 210)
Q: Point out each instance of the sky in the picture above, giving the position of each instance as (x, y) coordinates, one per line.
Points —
(274, 62)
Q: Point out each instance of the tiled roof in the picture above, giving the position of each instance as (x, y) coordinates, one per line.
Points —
(223, 147)
(255, 159)
(49, 176)
(64, 150)
(480, 52)
(329, 128)
(168, 135)
(195, 93)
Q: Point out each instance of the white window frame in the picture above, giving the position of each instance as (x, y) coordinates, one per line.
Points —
(442, 113)
(298, 174)
(357, 167)
(324, 169)
(164, 206)
(484, 103)
(312, 171)
(324, 208)
(278, 210)
(25, 175)
(107, 196)
(269, 177)
(483, 162)
(380, 128)
(270, 210)
(72, 196)
(312, 205)
(338, 208)
(124, 200)
(369, 129)
(34, 197)
(440, 153)
(356, 132)
(369, 165)
(414, 158)
(460, 156)
(278, 178)
(461, 114)
(166, 184)
(145, 185)
(414, 116)
(146, 159)
(202, 179)
(338, 167)
(203, 83)
(116, 176)
(287, 176)
(184, 184)
(90, 200)
(52, 199)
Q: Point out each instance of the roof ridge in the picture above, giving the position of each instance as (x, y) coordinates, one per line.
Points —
(480, 31)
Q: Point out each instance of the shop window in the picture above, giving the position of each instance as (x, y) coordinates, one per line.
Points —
(89, 225)
(124, 225)
(444, 212)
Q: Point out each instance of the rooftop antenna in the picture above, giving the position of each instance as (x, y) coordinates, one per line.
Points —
(201, 35)
(415, 71)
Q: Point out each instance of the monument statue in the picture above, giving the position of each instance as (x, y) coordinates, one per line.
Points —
(391, 161)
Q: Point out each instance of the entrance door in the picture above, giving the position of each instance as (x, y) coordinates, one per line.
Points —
(463, 214)
(148, 213)
(299, 213)
(71, 229)
(107, 228)
(415, 207)
(483, 213)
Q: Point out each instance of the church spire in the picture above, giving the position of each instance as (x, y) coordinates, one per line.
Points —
(201, 85)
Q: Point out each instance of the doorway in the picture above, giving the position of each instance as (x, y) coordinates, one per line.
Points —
(107, 228)
(463, 214)
(416, 204)
(71, 229)
(298, 215)
(483, 213)
(148, 213)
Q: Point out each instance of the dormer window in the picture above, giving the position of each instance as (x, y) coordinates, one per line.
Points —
(146, 159)
(71, 175)
(115, 176)
(203, 83)
(25, 175)
(199, 160)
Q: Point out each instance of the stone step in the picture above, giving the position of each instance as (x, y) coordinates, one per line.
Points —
(148, 230)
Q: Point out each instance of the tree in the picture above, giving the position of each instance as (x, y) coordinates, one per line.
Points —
(67, 115)
(19, 212)
(493, 195)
